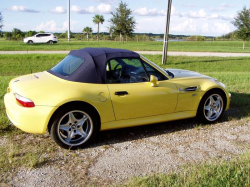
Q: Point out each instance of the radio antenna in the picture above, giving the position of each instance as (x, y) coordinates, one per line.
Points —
(29, 61)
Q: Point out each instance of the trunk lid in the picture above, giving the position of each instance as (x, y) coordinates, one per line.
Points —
(26, 82)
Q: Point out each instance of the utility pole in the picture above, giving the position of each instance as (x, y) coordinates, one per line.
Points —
(165, 44)
(68, 20)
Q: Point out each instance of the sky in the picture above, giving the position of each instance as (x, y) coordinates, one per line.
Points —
(192, 17)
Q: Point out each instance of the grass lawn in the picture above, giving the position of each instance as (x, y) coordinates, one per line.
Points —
(234, 72)
(217, 46)
(233, 173)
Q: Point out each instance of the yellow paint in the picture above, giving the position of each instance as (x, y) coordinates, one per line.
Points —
(143, 99)
(147, 120)
(144, 104)
(32, 120)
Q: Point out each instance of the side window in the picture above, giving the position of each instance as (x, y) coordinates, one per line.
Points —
(39, 35)
(125, 70)
(152, 71)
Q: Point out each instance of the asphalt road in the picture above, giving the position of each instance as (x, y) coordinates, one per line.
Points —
(171, 53)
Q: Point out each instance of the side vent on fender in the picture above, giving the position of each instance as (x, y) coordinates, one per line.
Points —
(189, 89)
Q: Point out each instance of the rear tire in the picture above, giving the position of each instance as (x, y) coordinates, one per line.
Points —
(212, 106)
(50, 42)
(74, 127)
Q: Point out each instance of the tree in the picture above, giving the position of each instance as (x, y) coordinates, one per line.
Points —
(122, 21)
(97, 19)
(87, 30)
(242, 23)
(8, 35)
(1, 21)
(15, 32)
(30, 33)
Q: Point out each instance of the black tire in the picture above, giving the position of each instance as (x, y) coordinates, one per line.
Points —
(30, 42)
(71, 124)
(211, 107)
(50, 42)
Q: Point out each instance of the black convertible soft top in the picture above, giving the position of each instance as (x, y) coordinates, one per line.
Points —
(93, 70)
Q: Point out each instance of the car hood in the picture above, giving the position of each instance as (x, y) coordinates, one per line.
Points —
(180, 73)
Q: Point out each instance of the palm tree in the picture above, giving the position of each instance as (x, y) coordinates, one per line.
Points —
(97, 19)
(87, 30)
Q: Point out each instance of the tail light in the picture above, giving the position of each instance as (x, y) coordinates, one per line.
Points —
(25, 102)
(54, 36)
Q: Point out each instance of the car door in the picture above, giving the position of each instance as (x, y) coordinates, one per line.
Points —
(38, 38)
(132, 94)
(45, 38)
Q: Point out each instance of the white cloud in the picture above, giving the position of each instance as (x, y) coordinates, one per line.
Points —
(89, 10)
(58, 10)
(216, 28)
(196, 14)
(102, 8)
(51, 26)
(222, 7)
(22, 9)
(144, 11)
(221, 28)
(186, 26)
(205, 28)
(222, 17)
(226, 5)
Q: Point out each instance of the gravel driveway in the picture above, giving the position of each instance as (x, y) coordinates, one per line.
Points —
(118, 155)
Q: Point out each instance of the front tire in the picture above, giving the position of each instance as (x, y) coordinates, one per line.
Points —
(74, 127)
(212, 106)
(30, 42)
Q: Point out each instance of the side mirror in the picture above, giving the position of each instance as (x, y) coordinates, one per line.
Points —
(153, 81)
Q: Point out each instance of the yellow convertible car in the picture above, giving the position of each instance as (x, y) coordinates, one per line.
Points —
(95, 89)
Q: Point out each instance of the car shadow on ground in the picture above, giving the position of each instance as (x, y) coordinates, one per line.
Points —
(134, 133)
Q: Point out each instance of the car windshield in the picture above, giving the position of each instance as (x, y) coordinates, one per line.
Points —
(68, 65)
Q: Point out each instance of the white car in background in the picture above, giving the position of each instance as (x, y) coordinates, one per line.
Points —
(41, 38)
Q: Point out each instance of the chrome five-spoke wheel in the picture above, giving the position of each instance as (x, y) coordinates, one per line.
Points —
(213, 107)
(75, 128)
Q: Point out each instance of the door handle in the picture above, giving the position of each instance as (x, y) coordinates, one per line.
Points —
(121, 93)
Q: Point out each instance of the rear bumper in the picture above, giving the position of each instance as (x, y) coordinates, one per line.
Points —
(33, 120)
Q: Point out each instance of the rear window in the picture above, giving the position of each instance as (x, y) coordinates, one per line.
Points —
(68, 65)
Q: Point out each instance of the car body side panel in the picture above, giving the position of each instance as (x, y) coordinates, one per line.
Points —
(143, 100)
(147, 120)
(190, 100)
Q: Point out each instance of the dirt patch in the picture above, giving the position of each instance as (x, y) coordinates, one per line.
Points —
(121, 154)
